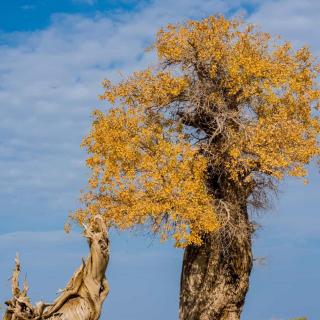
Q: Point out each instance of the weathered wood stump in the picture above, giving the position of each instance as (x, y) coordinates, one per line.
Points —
(84, 294)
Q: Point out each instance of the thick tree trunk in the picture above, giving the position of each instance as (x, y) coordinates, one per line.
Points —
(84, 294)
(215, 275)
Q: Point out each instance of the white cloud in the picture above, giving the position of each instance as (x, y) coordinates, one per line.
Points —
(294, 20)
(27, 7)
(88, 2)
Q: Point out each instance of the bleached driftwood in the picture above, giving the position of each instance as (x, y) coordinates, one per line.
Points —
(82, 297)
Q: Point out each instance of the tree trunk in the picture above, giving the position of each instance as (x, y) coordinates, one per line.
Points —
(84, 294)
(215, 275)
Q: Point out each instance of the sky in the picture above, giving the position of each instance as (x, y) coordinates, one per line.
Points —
(54, 55)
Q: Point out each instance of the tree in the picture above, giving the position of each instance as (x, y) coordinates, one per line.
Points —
(84, 294)
(193, 145)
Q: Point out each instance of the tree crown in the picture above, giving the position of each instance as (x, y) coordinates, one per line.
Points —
(226, 112)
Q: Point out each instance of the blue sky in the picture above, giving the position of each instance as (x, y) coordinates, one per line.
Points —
(53, 56)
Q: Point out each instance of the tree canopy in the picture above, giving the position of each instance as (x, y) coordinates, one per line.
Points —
(144, 170)
(227, 109)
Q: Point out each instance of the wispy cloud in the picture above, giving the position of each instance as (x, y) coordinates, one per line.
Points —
(27, 7)
(89, 2)
(294, 20)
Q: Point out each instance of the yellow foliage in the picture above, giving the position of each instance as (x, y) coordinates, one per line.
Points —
(158, 89)
(269, 87)
(245, 99)
(145, 171)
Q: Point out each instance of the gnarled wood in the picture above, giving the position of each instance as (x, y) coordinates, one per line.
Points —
(84, 294)
(215, 276)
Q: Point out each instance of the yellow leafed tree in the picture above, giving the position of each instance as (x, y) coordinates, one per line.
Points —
(192, 144)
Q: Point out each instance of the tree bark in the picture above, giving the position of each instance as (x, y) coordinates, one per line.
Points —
(84, 294)
(215, 275)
